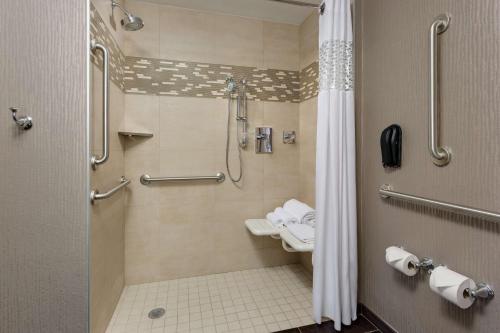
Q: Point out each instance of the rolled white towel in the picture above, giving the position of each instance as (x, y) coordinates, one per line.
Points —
(285, 216)
(302, 232)
(275, 219)
(302, 212)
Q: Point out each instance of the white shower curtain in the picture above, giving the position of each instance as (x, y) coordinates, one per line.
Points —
(335, 252)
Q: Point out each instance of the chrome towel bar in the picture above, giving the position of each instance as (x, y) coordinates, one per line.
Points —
(95, 195)
(147, 179)
(387, 192)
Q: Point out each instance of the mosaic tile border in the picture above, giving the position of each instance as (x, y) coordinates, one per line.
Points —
(192, 79)
(309, 81)
(163, 77)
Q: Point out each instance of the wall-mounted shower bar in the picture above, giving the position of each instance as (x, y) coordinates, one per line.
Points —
(97, 160)
(147, 179)
(387, 192)
(95, 195)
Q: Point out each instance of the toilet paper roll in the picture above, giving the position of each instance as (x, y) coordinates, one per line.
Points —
(451, 285)
(401, 260)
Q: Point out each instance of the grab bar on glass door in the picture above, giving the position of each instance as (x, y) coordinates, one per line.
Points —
(96, 160)
(95, 195)
(440, 155)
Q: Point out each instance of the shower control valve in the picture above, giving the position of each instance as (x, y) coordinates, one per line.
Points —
(289, 137)
(263, 140)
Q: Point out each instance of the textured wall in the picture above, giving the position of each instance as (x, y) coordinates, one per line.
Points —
(193, 229)
(45, 171)
(393, 68)
(107, 216)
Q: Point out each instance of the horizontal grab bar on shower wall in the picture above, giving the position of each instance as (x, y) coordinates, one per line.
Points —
(95, 195)
(387, 192)
(147, 179)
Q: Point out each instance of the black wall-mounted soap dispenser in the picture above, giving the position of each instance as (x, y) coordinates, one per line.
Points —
(390, 145)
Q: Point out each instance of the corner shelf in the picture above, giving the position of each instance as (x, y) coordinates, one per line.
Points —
(129, 134)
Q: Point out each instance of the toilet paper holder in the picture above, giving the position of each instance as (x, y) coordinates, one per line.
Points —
(426, 264)
(482, 290)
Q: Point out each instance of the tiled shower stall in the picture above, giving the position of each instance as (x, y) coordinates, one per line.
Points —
(168, 79)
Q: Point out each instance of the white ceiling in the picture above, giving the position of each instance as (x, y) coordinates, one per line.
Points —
(261, 9)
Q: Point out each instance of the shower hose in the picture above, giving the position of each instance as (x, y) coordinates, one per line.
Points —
(235, 180)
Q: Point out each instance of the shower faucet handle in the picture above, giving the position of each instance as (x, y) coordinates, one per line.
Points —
(24, 122)
(289, 137)
(262, 136)
(263, 140)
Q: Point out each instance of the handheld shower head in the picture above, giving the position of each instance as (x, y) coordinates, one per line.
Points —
(130, 22)
(231, 85)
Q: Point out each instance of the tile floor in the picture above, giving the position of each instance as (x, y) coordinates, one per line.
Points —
(258, 301)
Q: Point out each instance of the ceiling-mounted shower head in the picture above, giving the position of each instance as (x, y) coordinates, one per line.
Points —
(130, 22)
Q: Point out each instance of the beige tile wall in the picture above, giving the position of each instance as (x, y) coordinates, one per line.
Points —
(107, 220)
(107, 216)
(307, 171)
(309, 35)
(191, 229)
(180, 230)
(183, 34)
(307, 119)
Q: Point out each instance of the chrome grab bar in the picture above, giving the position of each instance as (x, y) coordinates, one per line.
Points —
(441, 155)
(386, 192)
(96, 160)
(147, 179)
(95, 195)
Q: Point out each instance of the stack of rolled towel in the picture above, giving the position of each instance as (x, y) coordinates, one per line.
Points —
(301, 211)
(280, 217)
(298, 217)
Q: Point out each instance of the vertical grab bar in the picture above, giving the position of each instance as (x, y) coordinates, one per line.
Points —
(441, 155)
(96, 160)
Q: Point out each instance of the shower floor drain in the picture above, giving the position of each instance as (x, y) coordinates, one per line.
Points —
(156, 313)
